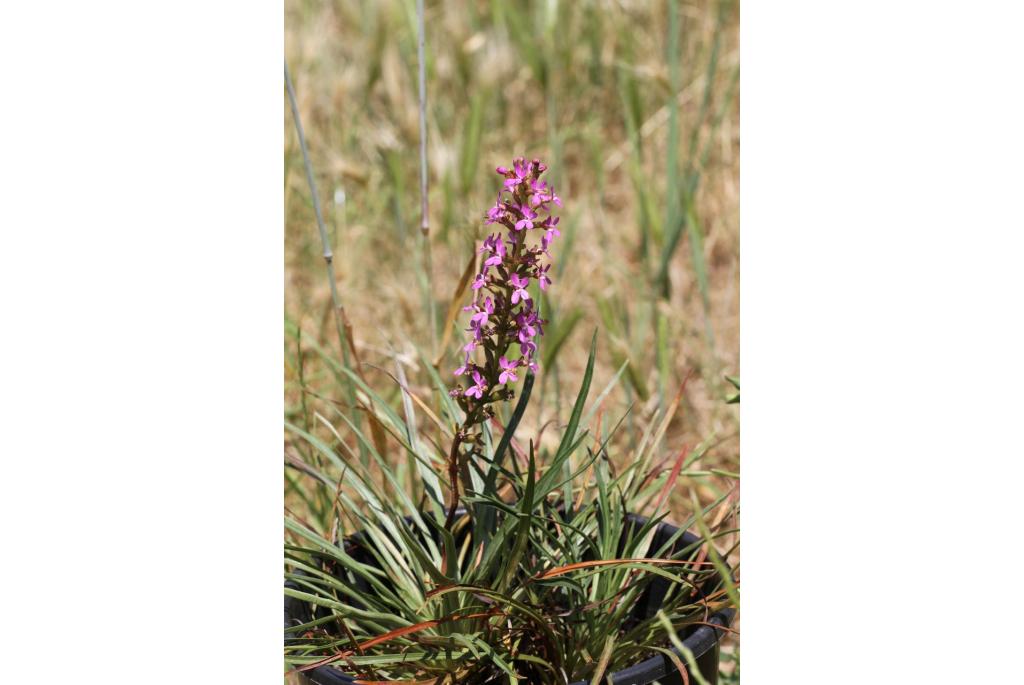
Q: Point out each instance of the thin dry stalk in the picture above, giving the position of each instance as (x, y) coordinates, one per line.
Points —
(420, 49)
(424, 201)
(340, 320)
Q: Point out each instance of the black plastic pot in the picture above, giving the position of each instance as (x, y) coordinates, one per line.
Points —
(702, 641)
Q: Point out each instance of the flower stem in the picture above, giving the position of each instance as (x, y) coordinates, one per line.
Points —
(453, 476)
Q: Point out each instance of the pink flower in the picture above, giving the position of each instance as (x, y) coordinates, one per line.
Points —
(490, 243)
(478, 388)
(552, 232)
(538, 196)
(529, 325)
(480, 318)
(508, 371)
(521, 170)
(542, 277)
(519, 288)
(497, 253)
(527, 221)
(495, 213)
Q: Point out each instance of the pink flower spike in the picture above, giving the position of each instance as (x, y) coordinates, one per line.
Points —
(509, 262)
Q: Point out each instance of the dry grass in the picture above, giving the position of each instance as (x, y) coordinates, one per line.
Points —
(354, 67)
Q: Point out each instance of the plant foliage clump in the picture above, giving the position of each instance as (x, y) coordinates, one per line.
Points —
(533, 569)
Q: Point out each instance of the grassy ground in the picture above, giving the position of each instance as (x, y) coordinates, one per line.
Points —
(640, 127)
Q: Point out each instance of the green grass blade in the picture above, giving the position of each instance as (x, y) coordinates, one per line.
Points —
(577, 411)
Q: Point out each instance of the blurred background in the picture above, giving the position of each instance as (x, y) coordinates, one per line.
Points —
(633, 105)
(639, 125)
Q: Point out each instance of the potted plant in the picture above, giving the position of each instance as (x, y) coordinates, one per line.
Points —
(506, 562)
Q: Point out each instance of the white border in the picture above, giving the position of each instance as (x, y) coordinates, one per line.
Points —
(881, 341)
(141, 270)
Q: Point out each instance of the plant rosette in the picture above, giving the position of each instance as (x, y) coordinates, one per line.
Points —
(696, 652)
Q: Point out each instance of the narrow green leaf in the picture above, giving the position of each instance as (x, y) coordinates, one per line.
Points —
(577, 411)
